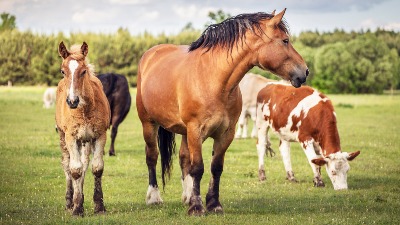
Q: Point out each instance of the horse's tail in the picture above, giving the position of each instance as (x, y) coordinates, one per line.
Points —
(166, 144)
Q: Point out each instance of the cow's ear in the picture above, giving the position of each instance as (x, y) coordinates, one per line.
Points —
(319, 161)
(353, 155)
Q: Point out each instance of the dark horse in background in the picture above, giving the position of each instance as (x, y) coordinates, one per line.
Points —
(194, 91)
(116, 88)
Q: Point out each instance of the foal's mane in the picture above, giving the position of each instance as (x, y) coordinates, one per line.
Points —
(76, 53)
(229, 31)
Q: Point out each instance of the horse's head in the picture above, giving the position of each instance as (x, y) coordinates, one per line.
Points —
(75, 70)
(276, 53)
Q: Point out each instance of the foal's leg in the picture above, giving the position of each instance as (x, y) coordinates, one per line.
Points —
(97, 170)
(77, 172)
(196, 171)
(311, 154)
(184, 161)
(220, 146)
(65, 164)
(150, 136)
(284, 148)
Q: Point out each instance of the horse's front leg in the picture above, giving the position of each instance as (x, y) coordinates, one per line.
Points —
(221, 144)
(196, 170)
(97, 170)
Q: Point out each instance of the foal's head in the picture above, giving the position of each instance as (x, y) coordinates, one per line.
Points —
(75, 70)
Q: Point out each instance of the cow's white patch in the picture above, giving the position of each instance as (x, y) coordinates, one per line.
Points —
(187, 187)
(153, 195)
(73, 65)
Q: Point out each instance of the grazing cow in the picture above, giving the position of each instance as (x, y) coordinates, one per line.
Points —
(82, 118)
(116, 88)
(306, 116)
(250, 85)
(49, 97)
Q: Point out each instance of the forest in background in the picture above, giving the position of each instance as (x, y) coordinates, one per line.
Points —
(339, 61)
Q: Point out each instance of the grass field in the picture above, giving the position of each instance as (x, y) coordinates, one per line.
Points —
(32, 185)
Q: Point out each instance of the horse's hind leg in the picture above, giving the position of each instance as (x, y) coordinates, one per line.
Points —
(184, 161)
(114, 131)
(97, 170)
(150, 136)
(65, 164)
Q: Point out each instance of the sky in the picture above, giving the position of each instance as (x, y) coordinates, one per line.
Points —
(170, 16)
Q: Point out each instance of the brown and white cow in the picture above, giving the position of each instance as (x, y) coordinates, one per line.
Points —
(249, 86)
(306, 116)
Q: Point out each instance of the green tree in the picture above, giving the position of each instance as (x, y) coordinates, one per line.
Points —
(8, 22)
(217, 17)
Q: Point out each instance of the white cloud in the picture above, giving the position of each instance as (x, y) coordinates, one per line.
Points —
(191, 11)
(129, 2)
(151, 15)
(392, 26)
(92, 16)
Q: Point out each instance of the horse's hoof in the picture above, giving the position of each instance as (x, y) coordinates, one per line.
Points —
(215, 210)
(111, 153)
(196, 210)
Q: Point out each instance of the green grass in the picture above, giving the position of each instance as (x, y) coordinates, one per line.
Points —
(32, 184)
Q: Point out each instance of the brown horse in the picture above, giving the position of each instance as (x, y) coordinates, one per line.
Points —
(193, 91)
(116, 88)
(82, 118)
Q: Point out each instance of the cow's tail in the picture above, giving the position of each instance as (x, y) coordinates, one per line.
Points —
(166, 144)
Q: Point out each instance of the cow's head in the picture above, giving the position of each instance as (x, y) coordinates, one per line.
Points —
(337, 166)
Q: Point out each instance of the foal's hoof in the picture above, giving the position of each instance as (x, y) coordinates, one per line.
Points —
(99, 209)
(196, 210)
(215, 210)
(78, 211)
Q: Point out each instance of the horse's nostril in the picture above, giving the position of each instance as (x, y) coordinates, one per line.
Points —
(307, 72)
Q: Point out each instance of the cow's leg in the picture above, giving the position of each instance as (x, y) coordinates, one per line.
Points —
(196, 170)
(240, 123)
(97, 170)
(245, 122)
(65, 164)
(262, 144)
(221, 144)
(184, 161)
(284, 148)
(311, 154)
(253, 118)
(153, 195)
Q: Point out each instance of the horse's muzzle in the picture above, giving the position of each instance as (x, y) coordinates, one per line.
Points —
(298, 79)
(74, 103)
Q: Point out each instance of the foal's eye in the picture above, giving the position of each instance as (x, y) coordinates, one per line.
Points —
(63, 73)
(83, 73)
(286, 41)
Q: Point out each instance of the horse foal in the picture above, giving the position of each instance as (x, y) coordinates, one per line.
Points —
(82, 119)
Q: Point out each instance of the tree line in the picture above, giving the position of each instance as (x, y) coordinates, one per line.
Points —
(339, 61)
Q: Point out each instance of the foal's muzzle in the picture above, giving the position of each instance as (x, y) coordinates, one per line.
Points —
(74, 103)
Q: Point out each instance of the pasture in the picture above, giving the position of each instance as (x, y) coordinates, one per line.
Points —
(32, 185)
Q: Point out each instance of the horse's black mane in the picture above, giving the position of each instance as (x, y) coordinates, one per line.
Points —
(228, 32)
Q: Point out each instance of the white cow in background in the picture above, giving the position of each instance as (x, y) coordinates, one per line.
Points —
(49, 97)
(250, 85)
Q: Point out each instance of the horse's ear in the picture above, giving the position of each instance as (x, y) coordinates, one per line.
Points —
(62, 50)
(273, 12)
(277, 19)
(84, 49)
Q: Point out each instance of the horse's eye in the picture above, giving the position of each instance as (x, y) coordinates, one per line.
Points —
(63, 73)
(83, 73)
(286, 41)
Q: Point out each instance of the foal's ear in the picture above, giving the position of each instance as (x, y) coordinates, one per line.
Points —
(84, 49)
(62, 50)
(277, 19)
